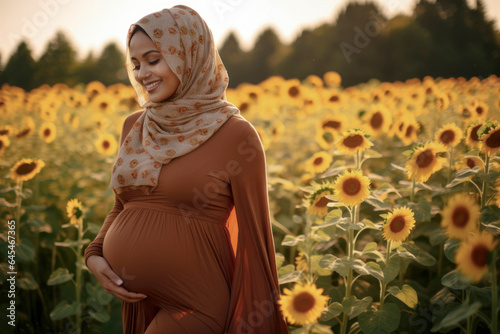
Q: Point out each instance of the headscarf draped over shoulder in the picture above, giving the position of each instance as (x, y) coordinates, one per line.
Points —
(197, 109)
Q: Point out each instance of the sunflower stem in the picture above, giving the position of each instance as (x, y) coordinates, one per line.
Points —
(450, 164)
(350, 252)
(382, 290)
(440, 260)
(412, 194)
(357, 160)
(483, 192)
(79, 277)
(494, 292)
(19, 201)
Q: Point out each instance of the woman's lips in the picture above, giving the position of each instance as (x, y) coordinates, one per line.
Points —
(152, 86)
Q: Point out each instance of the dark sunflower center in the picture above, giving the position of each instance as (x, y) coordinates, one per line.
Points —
(293, 91)
(353, 141)
(103, 105)
(351, 186)
(1, 144)
(4, 132)
(244, 107)
(470, 163)
(473, 132)
(23, 133)
(334, 98)
(253, 95)
(106, 144)
(303, 302)
(480, 255)
(447, 136)
(377, 120)
(466, 112)
(26, 168)
(409, 130)
(322, 202)
(460, 216)
(397, 224)
(332, 124)
(493, 140)
(479, 110)
(46, 132)
(425, 158)
(318, 161)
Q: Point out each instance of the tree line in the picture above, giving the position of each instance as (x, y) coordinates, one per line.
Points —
(442, 38)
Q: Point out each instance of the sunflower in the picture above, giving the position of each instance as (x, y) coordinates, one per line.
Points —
(424, 161)
(442, 102)
(317, 200)
(351, 188)
(314, 81)
(335, 123)
(469, 162)
(473, 253)
(106, 144)
(303, 304)
(460, 216)
(104, 103)
(4, 142)
(449, 135)
(480, 110)
(319, 162)
(472, 138)
(325, 139)
(277, 129)
(353, 141)
(74, 208)
(490, 139)
(47, 132)
(399, 224)
(332, 79)
(410, 132)
(94, 89)
(27, 128)
(6, 130)
(331, 98)
(49, 108)
(378, 120)
(26, 169)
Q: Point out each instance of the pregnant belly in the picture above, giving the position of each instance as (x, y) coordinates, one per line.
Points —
(158, 253)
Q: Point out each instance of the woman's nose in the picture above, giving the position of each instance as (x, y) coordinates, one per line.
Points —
(143, 73)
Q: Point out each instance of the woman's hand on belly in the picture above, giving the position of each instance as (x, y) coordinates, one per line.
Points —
(110, 281)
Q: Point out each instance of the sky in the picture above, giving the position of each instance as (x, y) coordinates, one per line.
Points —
(91, 24)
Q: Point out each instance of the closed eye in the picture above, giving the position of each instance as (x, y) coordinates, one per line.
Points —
(150, 63)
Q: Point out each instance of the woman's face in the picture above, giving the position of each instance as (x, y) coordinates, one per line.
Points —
(150, 68)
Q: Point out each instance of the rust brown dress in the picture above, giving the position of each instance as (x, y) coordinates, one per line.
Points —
(200, 246)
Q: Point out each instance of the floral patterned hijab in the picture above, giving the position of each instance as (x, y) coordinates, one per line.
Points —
(182, 123)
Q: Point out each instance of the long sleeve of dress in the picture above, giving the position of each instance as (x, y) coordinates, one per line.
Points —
(255, 290)
(95, 247)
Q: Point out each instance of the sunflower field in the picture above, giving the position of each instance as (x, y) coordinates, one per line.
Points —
(384, 198)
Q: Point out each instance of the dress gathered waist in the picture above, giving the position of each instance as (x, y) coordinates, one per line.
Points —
(186, 214)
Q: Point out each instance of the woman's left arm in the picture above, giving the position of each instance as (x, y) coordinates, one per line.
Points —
(255, 289)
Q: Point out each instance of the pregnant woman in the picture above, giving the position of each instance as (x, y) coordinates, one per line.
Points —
(188, 245)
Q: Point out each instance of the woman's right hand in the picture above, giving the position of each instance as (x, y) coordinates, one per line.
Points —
(110, 281)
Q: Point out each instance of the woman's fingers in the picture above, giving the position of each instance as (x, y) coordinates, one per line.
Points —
(128, 296)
